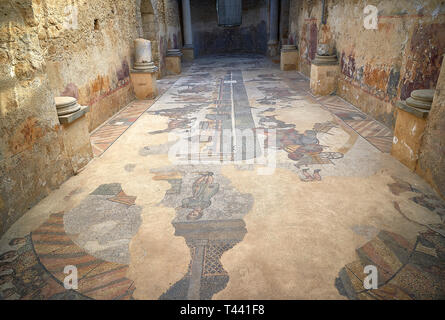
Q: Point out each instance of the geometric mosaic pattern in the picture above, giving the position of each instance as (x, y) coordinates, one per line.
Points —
(405, 270)
(371, 130)
(38, 268)
(383, 143)
(121, 197)
(103, 137)
(212, 256)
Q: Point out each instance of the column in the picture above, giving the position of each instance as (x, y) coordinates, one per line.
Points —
(325, 71)
(187, 49)
(272, 44)
(411, 121)
(144, 73)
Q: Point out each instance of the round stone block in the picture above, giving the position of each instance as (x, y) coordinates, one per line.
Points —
(145, 66)
(289, 47)
(323, 49)
(68, 110)
(65, 101)
(325, 60)
(142, 50)
(66, 105)
(174, 52)
(418, 103)
(426, 95)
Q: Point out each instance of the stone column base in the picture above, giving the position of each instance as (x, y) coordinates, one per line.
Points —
(324, 78)
(410, 125)
(289, 60)
(144, 84)
(188, 53)
(272, 48)
(76, 139)
(173, 64)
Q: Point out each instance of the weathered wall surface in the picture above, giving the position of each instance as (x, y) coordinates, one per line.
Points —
(431, 164)
(209, 38)
(173, 24)
(378, 67)
(91, 61)
(49, 48)
(90, 57)
(32, 154)
(170, 29)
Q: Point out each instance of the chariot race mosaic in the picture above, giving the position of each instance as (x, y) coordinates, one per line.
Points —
(235, 183)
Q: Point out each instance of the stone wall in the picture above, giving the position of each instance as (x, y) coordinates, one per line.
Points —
(32, 153)
(89, 52)
(209, 38)
(49, 48)
(378, 67)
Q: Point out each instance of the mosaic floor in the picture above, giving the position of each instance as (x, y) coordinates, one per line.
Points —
(235, 183)
(104, 136)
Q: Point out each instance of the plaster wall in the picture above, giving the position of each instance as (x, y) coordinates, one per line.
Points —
(378, 67)
(88, 50)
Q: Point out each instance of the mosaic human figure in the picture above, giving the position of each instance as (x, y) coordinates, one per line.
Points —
(203, 190)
